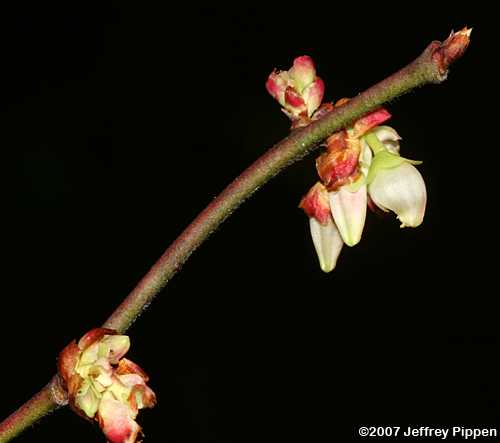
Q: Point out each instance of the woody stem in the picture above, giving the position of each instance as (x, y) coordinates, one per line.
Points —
(50, 398)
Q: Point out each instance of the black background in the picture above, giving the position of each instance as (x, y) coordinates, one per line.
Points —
(122, 122)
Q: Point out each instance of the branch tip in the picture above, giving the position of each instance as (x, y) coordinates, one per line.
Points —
(451, 50)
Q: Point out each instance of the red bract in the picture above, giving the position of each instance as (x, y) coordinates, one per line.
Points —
(369, 121)
(315, 203)
(339, 164)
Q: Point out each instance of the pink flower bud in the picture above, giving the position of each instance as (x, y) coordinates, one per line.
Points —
(298, 90)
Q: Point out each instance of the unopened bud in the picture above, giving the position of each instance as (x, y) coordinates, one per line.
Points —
(104, 386)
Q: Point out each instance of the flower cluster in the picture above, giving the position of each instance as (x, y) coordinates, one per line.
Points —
(361, 167)
(104, 386)
(299, 90)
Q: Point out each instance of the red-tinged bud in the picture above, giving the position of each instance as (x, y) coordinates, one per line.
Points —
(104, 386)
(451, 49)
(316, 203)
(369, 121)
(298, 90)
(303, 72)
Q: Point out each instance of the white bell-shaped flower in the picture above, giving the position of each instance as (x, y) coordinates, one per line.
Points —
(394, 184)
(401, 190)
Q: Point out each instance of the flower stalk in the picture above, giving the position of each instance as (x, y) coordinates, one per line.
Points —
(430, 67)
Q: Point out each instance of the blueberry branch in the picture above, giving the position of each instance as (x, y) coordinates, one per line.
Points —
(430, 67)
